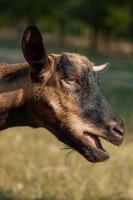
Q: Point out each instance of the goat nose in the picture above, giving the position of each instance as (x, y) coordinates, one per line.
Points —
(117, 128)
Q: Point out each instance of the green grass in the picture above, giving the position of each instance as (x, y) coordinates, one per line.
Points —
(33, 165)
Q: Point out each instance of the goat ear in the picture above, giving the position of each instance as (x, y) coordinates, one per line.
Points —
(33, 48)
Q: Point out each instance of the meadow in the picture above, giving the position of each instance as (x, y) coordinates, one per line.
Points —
(34, 165)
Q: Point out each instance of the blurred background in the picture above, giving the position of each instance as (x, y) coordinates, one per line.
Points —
(33, 164)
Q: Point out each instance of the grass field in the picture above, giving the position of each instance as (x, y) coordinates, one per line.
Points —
(34, 165)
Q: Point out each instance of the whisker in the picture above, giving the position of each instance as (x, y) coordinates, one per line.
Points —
(65, 148)
(68, 155)
(70, 150)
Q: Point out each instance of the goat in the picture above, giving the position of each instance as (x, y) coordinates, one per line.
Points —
(61, 93)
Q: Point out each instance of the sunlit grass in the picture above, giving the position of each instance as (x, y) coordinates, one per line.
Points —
(34, 166)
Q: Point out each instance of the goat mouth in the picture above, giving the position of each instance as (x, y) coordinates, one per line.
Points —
(93, 149)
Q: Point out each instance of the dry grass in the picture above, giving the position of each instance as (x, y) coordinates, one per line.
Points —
(34, 167)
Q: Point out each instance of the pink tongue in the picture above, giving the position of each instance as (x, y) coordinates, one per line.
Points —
(91, 139)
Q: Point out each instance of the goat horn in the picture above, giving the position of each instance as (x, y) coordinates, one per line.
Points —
(101, 68)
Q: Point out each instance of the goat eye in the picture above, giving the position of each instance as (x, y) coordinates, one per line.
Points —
(70, 81)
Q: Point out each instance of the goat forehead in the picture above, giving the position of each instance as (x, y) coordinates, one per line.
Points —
(78, 61)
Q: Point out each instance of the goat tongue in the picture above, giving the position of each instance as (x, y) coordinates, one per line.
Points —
(93, 140)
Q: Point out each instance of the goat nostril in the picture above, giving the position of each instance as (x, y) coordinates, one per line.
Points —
(118, 131)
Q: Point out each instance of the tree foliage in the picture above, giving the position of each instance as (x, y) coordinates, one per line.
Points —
(114, 17)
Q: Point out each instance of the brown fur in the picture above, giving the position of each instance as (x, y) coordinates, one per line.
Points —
(22, 90)
(59, 92)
